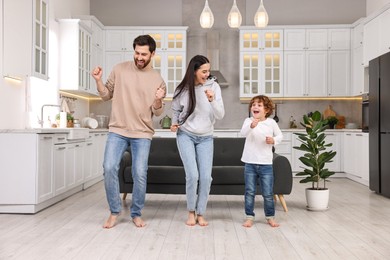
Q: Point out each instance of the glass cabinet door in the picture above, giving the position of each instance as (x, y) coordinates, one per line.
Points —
(41, 31)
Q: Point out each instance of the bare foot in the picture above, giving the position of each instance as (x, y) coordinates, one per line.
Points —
(272, 222)
(191, 220)
(110, 222)
(248, 223)
(138, 222)
(201, 221)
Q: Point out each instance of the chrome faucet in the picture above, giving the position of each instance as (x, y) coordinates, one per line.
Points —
(43, 106)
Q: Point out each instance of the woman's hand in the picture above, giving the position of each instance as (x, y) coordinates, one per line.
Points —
(174, 127)
(209, 94)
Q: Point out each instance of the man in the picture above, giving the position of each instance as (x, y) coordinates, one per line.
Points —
(137, 92)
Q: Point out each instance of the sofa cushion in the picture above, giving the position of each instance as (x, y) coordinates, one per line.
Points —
(228, 151)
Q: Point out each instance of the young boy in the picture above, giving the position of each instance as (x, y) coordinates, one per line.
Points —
(261, 134)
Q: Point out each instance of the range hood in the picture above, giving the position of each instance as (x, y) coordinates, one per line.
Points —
(213, 56)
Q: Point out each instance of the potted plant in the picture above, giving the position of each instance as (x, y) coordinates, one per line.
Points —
(332, 121)
(315, 157)
(69, 120)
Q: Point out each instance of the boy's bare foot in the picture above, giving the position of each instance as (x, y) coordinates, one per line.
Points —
(201, 221)
(191, 220)
(110, 222)
(138, 222)
(272, 222)
(248, 223)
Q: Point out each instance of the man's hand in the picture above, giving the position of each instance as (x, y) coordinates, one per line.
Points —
(97, 73)
(160, 93)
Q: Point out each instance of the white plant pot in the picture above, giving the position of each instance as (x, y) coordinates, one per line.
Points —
(317, 200)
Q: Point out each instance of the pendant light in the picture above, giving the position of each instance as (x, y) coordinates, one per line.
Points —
(261, 16)
(234, 17)
(206, 17)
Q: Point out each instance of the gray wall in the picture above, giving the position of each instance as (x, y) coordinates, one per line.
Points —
(187, 12)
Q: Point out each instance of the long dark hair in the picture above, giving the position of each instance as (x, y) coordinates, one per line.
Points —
(188, 82)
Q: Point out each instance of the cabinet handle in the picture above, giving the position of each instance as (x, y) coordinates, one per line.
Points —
(47, 137)
(359, 135)
(329, 134)
(348, 134)
(61, 148)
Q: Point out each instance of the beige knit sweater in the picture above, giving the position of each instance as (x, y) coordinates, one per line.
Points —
(132, 92)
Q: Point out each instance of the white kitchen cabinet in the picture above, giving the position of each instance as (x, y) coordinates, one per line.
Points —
(376, 36)
(170, 56)
(45, 189)
(316, 62)
(305, 39)
(284, 148)
(357, 86)
(305, 73)
(260, 40)
(261, 62)
(75, 56)
(25, 38)
(26, 172)
(331, 137)
(93, 158)
(169, 40)
(97, 45)
(339, 73)
(356, 157)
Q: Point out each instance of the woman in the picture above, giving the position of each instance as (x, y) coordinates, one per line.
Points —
(196, 104)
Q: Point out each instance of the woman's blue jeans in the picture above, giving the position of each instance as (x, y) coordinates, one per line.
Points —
(196, 153)
(262, 174)
(115, 147)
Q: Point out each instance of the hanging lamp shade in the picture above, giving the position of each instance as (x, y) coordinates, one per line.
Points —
(261, 16)
(234, 17)
(206, 17)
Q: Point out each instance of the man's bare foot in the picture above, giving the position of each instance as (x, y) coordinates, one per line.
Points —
(201, 221)
(138, 222)
(272, 222)
(191, 220)
(248, 223)
(110, 222)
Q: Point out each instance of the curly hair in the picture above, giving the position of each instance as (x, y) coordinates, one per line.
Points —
(267, 102)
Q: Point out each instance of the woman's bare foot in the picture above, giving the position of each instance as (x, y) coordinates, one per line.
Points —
(201, 221)
(110, 222)
(138, 222)
(248, 223)
(272, 222)
(191, 220)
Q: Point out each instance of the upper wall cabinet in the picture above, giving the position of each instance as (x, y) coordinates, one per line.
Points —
(75, 56)
(261, 62)
(316, 62)
(376, 37)
(97, 45)
(25, 38)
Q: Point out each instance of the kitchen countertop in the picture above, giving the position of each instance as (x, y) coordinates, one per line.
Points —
(67, 130)
(49, 130)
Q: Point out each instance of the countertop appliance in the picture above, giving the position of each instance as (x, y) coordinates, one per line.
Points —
(379, 122)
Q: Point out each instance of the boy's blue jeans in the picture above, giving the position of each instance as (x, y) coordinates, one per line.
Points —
(115, 147)
(262, 174)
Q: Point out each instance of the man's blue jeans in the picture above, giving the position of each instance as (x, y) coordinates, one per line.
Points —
(262, 174)
(115, 147)
(196, 153)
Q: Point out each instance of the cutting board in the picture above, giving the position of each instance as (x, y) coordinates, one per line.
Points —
(329, 112)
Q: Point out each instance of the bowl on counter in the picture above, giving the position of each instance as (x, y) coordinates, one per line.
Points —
(89, 122)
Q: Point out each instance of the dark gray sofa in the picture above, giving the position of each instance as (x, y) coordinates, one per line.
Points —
(166, 172)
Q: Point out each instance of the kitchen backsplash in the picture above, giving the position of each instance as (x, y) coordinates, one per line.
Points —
(235, 115)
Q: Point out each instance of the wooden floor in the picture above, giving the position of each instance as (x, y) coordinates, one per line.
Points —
(356, 226)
